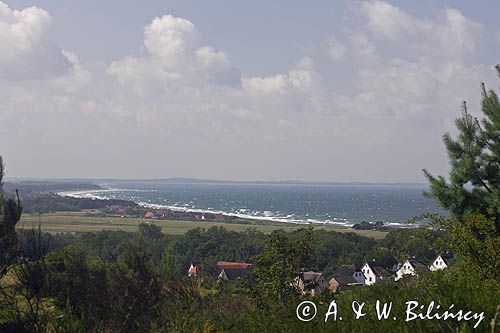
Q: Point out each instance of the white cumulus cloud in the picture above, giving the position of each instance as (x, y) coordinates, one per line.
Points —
(26, 51)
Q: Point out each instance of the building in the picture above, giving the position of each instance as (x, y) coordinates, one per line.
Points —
(346, 275)
(313, 283)
(410, 267)
(441, 262)
(149, 215)
(229, 264)
(232, 273)
(374, 274)
(359, 276)
(193, 270)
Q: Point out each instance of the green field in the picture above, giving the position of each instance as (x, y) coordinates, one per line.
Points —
(81, 222)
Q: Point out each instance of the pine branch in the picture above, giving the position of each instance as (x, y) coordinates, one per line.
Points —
(485, 186)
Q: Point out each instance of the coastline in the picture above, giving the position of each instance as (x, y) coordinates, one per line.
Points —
(339, 222)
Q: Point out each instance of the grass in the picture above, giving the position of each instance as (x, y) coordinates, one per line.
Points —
(81, 222)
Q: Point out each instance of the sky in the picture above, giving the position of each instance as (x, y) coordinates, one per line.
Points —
(283, 90)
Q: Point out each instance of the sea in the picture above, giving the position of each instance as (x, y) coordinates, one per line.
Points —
(340, 204)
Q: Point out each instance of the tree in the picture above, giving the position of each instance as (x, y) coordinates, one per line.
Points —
(280, 264)
(150, 231)
(10, 214)
(474, 180)
(473, 194)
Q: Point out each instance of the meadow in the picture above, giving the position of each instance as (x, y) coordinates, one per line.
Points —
(68, 222)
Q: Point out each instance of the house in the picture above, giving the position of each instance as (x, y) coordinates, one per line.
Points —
(410, 267)
(149, 215)
(232, 273)
(229, 264)
(346, 275)
(193, 270)
(313, 283)
(374, 273)
(359, 276)
(441, 262)
(165, 213)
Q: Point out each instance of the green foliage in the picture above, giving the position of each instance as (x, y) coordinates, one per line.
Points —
(206, 247)
(10, 214)
(474, 239)
(473, 194)
(73, 288)
(417, 242)
(474, 180)
(331, 249)
(278, 265)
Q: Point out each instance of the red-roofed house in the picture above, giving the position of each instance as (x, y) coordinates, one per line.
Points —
(149, 215)
(229, 264)
(192, 270)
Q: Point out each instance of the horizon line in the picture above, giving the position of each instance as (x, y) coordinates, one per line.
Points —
(204, 180)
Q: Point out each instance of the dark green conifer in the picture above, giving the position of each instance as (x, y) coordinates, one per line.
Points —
(474, 180)
(10, 214)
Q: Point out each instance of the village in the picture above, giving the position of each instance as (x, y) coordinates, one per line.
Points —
(136, 211)
(344, 277)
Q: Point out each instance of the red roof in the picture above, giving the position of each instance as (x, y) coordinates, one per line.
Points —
(229, 264)
(148, 215)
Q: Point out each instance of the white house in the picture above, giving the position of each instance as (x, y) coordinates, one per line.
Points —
(441, 262)
(410, 267)
(374, 274)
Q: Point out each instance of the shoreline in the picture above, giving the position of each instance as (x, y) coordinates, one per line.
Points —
(339, 222)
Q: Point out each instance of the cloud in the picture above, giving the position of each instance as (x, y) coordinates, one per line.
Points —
(388, 21)
(265, 85)
(420, 72)
(169, 38)
(179, 101)
(174, 56)
(450, 35)
(362, 47)
(26, 51)
(336, 49)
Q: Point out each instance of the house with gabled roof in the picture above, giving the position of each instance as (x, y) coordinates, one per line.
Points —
(442, 261)
(232, 273)
(374, 273)
(312, 283)
(230, 264)
(193, 270)
(346, 275)
(412, 266)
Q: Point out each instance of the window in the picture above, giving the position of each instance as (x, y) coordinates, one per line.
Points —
(370, 279)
